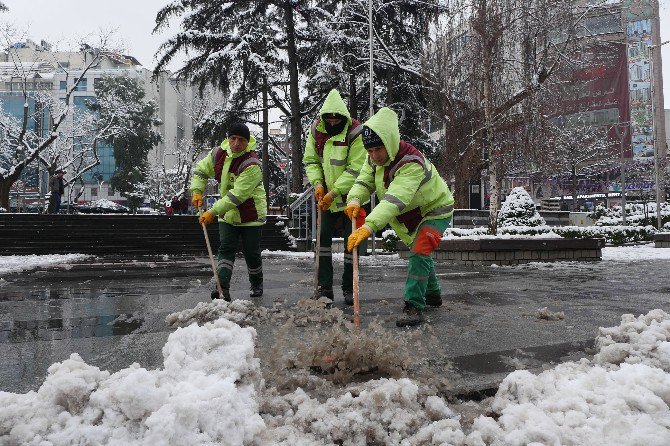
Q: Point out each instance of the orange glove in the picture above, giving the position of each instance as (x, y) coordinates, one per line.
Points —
(352, 210)
(197, 200)
(358, 236)
(319, 192)
(326, 201)
(207, 218)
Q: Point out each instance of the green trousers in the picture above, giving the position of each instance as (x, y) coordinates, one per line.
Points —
(421, 269)
(229, 237)
(329, 221)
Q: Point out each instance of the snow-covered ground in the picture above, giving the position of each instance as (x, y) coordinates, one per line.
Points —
(210, 391)
(13, 264)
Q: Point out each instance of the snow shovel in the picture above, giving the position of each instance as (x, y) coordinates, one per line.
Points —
(354, 252)
(211, 259)
(315, 296)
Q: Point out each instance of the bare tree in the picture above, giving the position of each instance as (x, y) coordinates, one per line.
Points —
(24, 139)
(501, 53)
(576, 148)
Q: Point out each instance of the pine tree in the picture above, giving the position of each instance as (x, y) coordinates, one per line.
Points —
(139, 136)
(519, 210)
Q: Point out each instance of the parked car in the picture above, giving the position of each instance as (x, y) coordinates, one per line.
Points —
(102, 207)
(147, 210)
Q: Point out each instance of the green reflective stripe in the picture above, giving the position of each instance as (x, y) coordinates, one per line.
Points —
(366, 185)
(255, 271)
(441, 210)
(421, 278)
(312, 162)
(226, 264)
(352, 172)
(233, 198)
(395, 200)
(336, 162)
(325, 248)
(201, 175)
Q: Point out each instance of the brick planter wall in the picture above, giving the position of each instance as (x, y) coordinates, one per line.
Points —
(514, 251)
(662, 240)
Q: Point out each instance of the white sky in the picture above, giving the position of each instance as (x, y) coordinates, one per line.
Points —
(64, 20)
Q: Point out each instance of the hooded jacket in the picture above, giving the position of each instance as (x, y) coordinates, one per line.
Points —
(409, 189)
(334, 161)
(242, 201)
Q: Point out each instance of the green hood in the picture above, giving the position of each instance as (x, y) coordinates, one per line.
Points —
(385, 124)
(252, 146)
(335, 104)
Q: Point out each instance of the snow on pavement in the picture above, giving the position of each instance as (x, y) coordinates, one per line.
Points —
(13, 264)
(210, 391)
(635, 253)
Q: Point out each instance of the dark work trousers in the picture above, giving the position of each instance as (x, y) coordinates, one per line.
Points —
(329, 221)
(229, 236)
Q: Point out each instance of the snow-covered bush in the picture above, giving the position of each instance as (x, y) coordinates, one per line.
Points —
(615, 235)
(519, 210)
(637, 214)
(389, 240)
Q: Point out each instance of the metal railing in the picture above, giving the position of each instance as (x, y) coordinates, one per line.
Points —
(302, 212)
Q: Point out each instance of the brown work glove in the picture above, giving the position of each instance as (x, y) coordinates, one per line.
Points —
(207, 218)
(357, 237)
(197, 200)
(326, 201)
(319, 192)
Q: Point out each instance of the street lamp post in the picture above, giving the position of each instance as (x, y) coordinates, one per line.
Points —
(657, 169)
(621, 131)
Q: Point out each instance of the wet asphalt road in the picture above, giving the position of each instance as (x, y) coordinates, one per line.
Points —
(111, 311)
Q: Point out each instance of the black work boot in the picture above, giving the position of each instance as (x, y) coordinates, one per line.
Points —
(348, 297)
(225, 293)
(433, 299)
(324, 292)
(412, 316)
(256, 291)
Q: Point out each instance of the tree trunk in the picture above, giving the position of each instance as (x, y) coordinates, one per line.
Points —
(294, 87)
(353, 99)
(266, 141)
(574, 188)
(5, 185)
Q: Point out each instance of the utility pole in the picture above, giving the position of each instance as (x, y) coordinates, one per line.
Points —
(657, 159)
(372, 96)
(621, 132)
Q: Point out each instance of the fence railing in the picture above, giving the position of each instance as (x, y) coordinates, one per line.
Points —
(302, 212)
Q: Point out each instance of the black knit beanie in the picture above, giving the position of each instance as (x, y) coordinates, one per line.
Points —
(239, 129)
(371, 139)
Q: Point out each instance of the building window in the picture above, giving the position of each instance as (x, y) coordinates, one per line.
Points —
(94, 192)
(63, 85)
(82, 85)
(96, 83)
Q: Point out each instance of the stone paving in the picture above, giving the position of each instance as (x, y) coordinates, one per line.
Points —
(111, 311)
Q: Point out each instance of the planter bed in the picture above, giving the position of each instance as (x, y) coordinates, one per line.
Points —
(514, 251)
(662, 240)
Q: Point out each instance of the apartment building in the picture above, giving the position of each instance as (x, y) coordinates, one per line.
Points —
(57, 71)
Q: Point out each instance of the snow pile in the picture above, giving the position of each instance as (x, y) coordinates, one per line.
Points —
(383, 412)
(637, 214)
(205, 394)
(642, 340)
(519, 210)
(597, 403)
(242, 312)
(635, 253)
(545, 314)
(13, 264)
